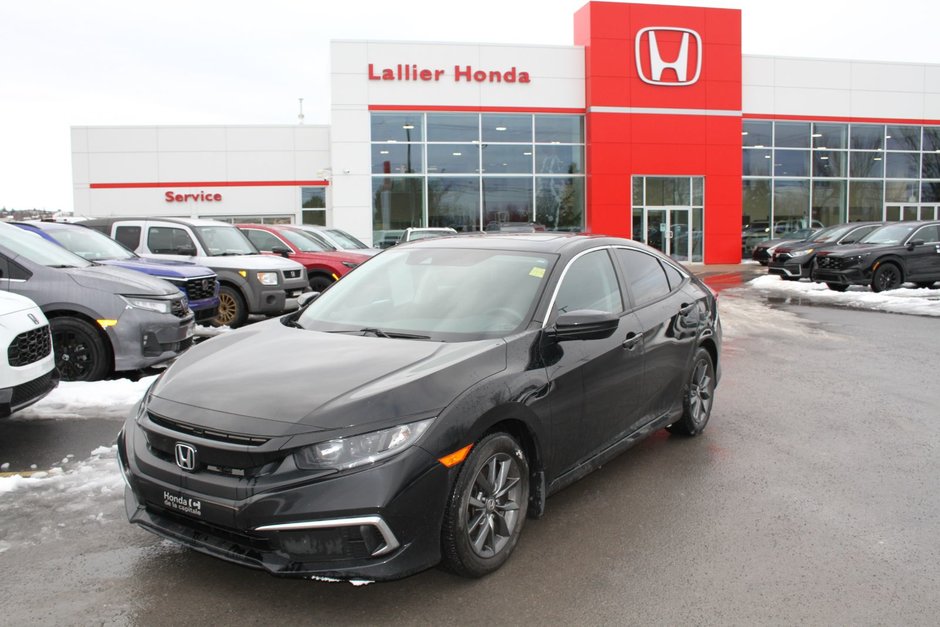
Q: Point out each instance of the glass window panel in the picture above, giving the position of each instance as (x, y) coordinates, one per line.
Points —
(559, 203)
(316, 217)
(901, 191)
(756, 218)
(454, 201)
(665, 191)
(829, 163)
(866, 200)
(453, 158)
(791, 135)
(867, 136)
(559, 159)
(313, 197)
(757, 161)
(507, 128)
(903, 137)
(698, 191)
(396, 127)
(902, 165)
(829, 202)
(930, 191)
(638, 225)
(866, 164)
(929, 234)
(931, 138)
(637, 191)
(757, 134)
(930, 168)
(697, 233)
(791, 163)
(507, 199)
(397, 203)
(831, 136)
(397, 158)
(453, 127)
(500, 159)
(791, 206)
(564, 129)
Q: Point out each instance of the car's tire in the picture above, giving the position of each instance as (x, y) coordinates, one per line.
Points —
(80, 352)
(487, 508)
(319, 282)
(232, 308)
(697, 397)
(925, 284)
(887, 277)
(837, 287)
(786, 277)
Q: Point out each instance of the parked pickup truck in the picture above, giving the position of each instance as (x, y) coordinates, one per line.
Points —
(250, 283)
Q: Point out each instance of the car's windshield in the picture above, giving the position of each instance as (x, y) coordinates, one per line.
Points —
(302, 241)
(889, 234)
(224, 240)
(832, 233)
(34, 247)
(444, 294)
(428, 233)
(89, 244)
(344, 240)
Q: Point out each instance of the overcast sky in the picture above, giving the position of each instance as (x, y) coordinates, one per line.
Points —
(70, 63)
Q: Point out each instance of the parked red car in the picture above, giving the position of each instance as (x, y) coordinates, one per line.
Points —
(323, 266)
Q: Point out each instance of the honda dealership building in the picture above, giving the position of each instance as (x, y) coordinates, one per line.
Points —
(653, 125)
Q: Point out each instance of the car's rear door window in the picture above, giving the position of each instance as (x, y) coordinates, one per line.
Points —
(129, 236)
(162, 240)
(645, 276)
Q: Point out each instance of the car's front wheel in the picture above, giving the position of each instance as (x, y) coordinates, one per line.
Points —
(837, 287)
(886, 277)
(232, 308)
(487, 507)
(80, 353)
(699, 396)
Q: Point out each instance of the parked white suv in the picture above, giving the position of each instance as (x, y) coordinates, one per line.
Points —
(250, 283)
(27, 367)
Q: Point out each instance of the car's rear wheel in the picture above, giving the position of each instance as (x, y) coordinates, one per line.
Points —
(487, 508)
(886, 277)
(232, 309)
(699, 396)
(80, 353)
(837, 287)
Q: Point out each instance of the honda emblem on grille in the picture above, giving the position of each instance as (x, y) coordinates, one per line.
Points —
(185, 456)
(205, 285)
(654, 73)
(33, 318)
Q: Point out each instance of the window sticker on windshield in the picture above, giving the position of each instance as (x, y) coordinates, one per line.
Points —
(537, 272)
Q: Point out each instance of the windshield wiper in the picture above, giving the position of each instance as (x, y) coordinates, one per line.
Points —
(387, 334)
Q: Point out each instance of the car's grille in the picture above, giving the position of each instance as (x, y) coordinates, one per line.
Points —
(178, 309)
(247, 543)
(208, 434)
(31, 389)
(292, 274)
(829, 263)
(29, 347)
(198, 288)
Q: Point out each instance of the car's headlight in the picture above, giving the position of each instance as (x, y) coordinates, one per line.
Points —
(267, 278)
(357, 450)
(801, 253)
(150, 304)
(853, 260)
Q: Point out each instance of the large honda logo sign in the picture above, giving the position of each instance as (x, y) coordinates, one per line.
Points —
(686, 65)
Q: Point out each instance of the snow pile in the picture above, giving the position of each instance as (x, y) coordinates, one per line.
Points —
(918, 302)
(82, 399)
(95, 476)
(743, 316)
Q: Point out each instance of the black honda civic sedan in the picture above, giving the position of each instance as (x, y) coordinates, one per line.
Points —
(419, 410)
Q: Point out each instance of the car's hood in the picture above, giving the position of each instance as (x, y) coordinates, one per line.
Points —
(769, 243)
(120, 281)
(162, 267)
(269, 379)
(851, 250)
(248, 262)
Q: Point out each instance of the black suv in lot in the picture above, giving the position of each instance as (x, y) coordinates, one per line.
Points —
(794, 260)
(903, 252)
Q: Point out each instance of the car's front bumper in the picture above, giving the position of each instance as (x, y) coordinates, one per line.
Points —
(25, 394)
(848, 276)
(794, 267)
(143, 338)
(380, 523)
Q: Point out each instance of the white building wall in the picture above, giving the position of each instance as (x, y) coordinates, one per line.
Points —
(840, 88)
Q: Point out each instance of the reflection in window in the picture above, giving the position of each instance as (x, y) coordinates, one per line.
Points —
(664, 191)
(590, 283)
(902, 165)
(757, 161)
(396, 159)
(757, 134)
(559, 160)
(559, 203)
(644, 274)
(507, 199)
(313, 197)
(454, 202)
(791, 163)
(397, 202)
(453, 127)
(866, 164)
(902, 137)
(830, 136)
(829, 202)
(453, 158)
(866, 200)
(828, 163)
(507, 128)
(396, 127)
(509, 159)
(561, 129)
(901, 191)
(791, 135)
(867, 137)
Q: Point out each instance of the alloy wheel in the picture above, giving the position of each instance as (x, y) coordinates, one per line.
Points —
(227, 309)
(72, 356)
(700, 393)
(493, 507)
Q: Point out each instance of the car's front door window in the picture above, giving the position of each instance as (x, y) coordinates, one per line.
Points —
(590, 283)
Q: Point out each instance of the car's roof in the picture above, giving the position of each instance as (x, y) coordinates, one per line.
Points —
(545, 242)
(187, 221)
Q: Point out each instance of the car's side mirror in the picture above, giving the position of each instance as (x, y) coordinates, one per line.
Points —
(914, 244)
(584, 324)
(283, 251)
(189, 251)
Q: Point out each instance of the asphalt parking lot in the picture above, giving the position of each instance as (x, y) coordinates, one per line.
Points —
(812, 498)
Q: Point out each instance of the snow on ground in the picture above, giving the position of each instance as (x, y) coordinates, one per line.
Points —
(81, 399)
(918, 302)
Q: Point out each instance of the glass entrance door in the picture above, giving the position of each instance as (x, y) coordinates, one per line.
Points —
(669, 229)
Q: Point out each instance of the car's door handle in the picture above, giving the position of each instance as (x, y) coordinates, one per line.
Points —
(686, 309)
(632, 340)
